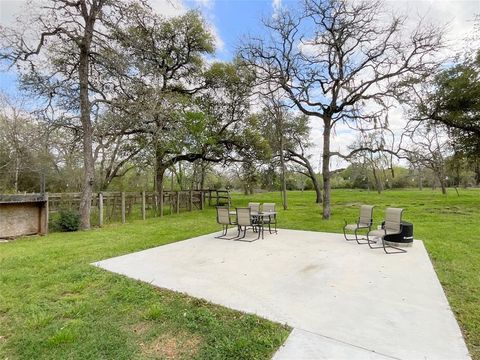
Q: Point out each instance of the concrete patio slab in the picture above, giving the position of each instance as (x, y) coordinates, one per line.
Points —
(303, 344)
(343, 300)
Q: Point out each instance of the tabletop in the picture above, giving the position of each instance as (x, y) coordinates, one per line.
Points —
(256, 213)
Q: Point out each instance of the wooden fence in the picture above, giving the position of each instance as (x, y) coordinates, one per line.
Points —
(110, 207)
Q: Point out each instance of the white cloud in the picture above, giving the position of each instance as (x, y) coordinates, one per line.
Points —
(168, 8)
(10, 10)
(219, 43)
(204, 3)
(456, 15)
(276, 5)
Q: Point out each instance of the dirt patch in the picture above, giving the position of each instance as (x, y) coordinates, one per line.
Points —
(352, 204)
(181, 345)
(140, 328)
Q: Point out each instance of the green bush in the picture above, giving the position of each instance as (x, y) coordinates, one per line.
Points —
(69, 220)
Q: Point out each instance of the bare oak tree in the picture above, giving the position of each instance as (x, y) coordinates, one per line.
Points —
(333, 59)
(430, 149)
(364, 153)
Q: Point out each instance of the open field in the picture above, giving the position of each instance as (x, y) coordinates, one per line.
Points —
(53, 304)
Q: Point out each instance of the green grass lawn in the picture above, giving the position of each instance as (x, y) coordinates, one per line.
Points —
(53, 304)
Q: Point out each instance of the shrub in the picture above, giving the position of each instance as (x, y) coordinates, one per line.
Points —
(69, 220)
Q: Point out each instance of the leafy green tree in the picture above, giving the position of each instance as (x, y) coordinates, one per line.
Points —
(453, 99)
(191, 112)
(166, 60)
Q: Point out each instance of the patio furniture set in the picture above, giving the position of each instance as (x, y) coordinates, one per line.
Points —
(392, 233)
(255, 217)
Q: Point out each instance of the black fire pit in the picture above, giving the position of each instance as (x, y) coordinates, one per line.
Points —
(404, 238)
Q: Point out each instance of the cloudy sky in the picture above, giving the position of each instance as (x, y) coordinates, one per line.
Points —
(230, 20)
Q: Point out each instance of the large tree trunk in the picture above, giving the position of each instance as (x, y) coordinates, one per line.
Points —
(180, 176)
(326, 168)
(378, 182)
(316, 185)
(440, 172)
(202, 175)
(160, 169)
(159, 176)
(314, 178)
(284, 180)
(90, 17)
(477, 172)
(443, 186)
(318, 191)
(88, 163)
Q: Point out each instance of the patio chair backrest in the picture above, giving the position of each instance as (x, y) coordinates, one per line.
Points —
(244, 217)
(393, 219)
(366, 215)
(223, 216)
(254, 206)
(269, 207)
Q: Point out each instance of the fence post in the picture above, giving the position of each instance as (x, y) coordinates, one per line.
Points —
(178, 202)
(202, 200)
(123, 207)
(100, 209)
(143, 205)
(190, 205)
